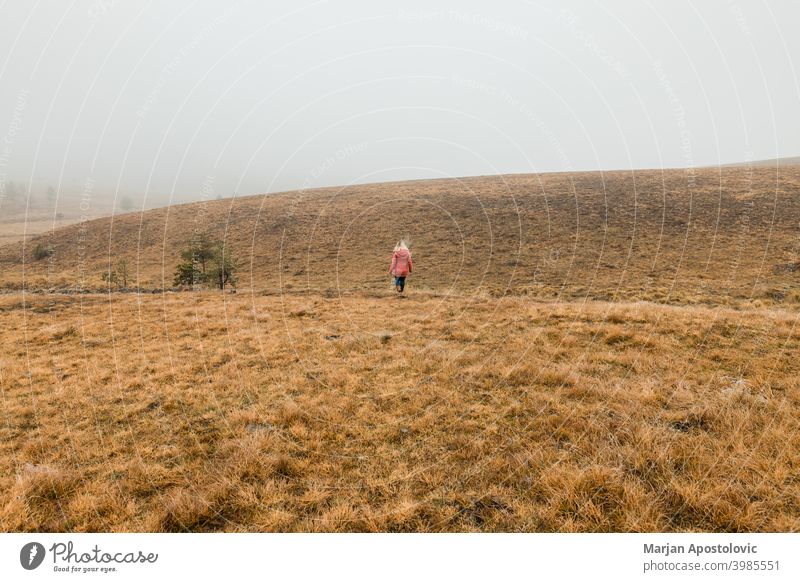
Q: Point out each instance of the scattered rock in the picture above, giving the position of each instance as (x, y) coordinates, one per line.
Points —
(480, 510)
(785, 268)
(740, 388)
(29, 469)
(737, 387)
(256, 427)
(691, 422)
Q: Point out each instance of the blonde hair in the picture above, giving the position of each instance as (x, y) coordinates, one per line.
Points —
(401, 245)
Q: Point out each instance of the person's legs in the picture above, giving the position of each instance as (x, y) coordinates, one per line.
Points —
(401, 283)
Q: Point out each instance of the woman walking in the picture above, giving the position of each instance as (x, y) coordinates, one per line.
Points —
(401, 265)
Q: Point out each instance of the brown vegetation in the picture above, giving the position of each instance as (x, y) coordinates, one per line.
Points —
(358, 413)
(578, 352)
(717, 236)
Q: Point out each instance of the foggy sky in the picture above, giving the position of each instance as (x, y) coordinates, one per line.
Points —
(206, 98)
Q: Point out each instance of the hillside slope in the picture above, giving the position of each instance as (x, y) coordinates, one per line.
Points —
(717, 235)
(771, 163)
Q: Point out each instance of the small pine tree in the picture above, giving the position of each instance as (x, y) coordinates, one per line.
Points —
(110, 277)
(42, 251)
(223, 268)
(118, 276)
(206, 261)
(122, 273)
(187, 274)
(201, 250)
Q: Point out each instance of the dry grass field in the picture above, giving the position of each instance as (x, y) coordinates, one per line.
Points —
(371, 413)
(720, 236)
(577, 352)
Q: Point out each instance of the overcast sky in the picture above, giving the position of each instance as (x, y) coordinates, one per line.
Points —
(205, 98)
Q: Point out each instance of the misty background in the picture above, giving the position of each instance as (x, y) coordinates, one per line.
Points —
(135, 104)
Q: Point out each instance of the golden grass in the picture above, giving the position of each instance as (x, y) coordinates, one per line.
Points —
(579, 352)
(721, 236)
(364, 412)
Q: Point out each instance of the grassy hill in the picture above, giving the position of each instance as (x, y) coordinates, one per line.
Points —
(715, 235)
(773, 163)
(520, 386)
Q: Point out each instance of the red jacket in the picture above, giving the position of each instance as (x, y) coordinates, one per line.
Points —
(401, 263)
